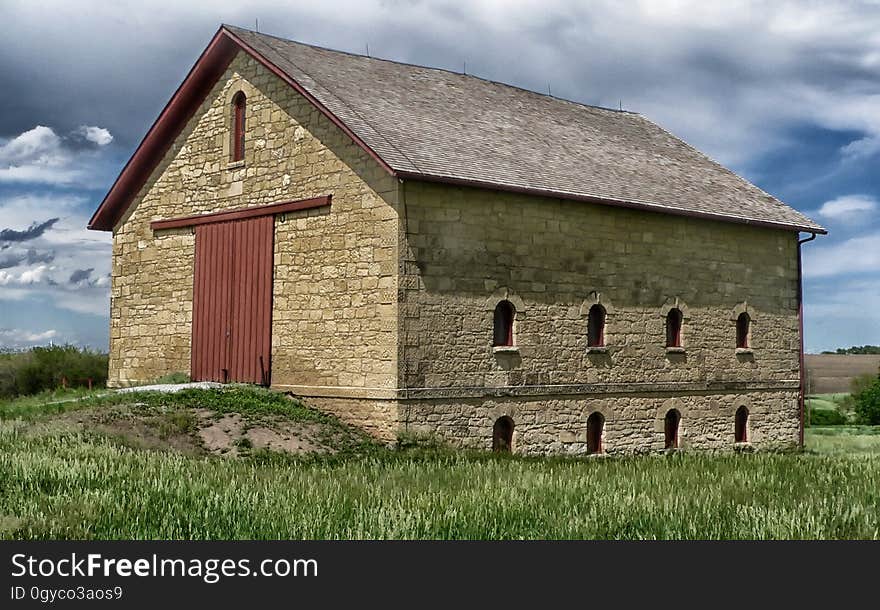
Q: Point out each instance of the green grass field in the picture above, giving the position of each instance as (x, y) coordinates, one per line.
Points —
(60, 479)
(827, 401)
(853, 441)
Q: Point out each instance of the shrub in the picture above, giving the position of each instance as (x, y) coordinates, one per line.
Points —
(826, 417)
(861, 383)
(868, 403)
(47, 368)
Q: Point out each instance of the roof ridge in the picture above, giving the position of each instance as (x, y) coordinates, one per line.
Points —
(446, 70)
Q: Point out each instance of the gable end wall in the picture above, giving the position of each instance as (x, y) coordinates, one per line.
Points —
(334, 320)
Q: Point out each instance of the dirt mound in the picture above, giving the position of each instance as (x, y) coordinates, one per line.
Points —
(203, 431)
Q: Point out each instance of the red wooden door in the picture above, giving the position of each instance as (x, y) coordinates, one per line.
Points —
(232, 301)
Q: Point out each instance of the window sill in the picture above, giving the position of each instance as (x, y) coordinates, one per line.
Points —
(235, 164)
(597, 349)
(744, 351)
(505, 349)
(675, 350)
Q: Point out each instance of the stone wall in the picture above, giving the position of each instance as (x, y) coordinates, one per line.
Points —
(633, 422)
(467, 249)
(470, 248)
(334, 320)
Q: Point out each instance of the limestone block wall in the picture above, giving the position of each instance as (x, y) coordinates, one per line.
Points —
(380, 418)
(633, 423)
(334, 318)
(466, 249)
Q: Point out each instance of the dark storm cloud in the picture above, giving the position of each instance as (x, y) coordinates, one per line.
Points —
(34, 231)
(7, 262)
(81, 275)
(31, 257)
(689, 66)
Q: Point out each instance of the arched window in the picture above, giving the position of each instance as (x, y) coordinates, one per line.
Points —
(238, 127)
(504, 314)
(595, 432)
(596, 327)
(741, 428)
(673, 327)
(743, 323)
(502, 435)
(670, 428)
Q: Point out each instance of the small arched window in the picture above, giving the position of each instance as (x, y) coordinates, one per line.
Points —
(673, 327)
(503, 327)
(743, 324)
(670, 428)
(741, 427)
(238, 127)
(595, 432)
(596, 327)
(502, 435)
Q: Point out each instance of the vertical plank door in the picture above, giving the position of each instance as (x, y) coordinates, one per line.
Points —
(232, 301)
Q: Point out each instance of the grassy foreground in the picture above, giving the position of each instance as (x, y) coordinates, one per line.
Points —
(63, 481)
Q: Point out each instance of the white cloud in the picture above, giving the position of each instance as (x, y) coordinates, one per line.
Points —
(36, 155)
(33, 276)
(848, 207)
(40, 145)
(41, 155)
(857, 255)
(97, 135)
(840, 314)
(862, 148)
(73, 246)
(17, 335)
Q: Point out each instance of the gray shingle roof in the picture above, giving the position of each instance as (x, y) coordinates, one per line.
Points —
(432, 123)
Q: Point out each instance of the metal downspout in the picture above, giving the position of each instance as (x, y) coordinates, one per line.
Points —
(800, 301)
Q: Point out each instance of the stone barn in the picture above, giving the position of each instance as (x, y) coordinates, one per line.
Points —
(417, 250)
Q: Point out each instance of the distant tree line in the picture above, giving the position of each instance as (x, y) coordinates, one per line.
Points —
(50, 368)
(856, 349)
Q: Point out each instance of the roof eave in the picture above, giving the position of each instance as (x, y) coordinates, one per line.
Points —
(182, 105)
(637, 205)
(180, 108)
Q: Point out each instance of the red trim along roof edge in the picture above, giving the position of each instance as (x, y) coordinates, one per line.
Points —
(183, 104)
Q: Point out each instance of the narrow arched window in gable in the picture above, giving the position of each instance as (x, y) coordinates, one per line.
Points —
(673, 327)
(743, 326)
(503, 325)
(595, 433)
(596, 327)
(502, 435)
(670, 428)
(239, 103)
(741, 427)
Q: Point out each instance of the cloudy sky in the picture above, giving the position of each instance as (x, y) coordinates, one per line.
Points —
(785, 93)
